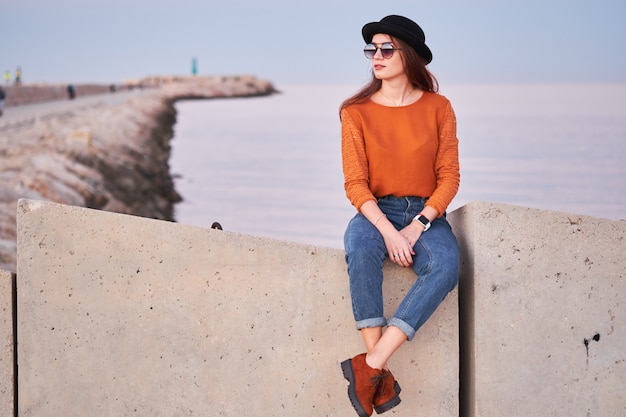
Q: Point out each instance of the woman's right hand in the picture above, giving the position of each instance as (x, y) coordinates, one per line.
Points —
(398, 247)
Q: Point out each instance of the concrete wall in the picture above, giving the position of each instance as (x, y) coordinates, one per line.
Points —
(122, 315)
(542, 313)
(7, 381)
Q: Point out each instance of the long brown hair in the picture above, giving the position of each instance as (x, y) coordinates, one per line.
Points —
(415, 69)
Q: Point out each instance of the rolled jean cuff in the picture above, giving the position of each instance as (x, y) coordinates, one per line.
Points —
(368, 323)
(402, 325)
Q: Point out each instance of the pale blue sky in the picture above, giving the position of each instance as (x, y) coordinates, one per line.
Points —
(288, 41)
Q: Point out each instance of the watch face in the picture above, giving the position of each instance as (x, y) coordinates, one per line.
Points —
(423, 220)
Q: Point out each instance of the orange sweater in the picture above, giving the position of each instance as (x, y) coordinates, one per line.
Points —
(401, 151)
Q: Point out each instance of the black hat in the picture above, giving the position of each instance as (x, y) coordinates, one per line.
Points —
(402, 28)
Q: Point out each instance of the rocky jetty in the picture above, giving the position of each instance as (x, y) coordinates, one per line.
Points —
(111, 157)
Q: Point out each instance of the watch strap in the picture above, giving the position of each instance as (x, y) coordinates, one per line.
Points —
(423, 220)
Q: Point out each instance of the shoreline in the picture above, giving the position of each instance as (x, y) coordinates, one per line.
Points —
(111, 157)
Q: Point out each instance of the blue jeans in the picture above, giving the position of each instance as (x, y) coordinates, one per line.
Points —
(436, 264)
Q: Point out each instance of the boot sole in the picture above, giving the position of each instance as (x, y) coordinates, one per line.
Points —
(392, 402)
(348, 373)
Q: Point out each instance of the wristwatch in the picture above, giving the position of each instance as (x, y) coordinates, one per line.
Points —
(423, 220)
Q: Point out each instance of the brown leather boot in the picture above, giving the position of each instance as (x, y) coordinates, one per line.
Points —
(363, 384)
(387, 395)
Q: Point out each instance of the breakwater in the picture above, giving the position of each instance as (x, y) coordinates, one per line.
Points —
(102, 156)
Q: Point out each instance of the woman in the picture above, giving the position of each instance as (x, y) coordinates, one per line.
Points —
(401, 169)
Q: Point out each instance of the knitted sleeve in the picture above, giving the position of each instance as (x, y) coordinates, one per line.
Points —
(447, 167)
(354, 160)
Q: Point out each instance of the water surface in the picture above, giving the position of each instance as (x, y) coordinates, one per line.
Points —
(271, 166)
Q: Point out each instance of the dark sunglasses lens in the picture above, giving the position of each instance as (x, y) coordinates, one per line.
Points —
(386, 51)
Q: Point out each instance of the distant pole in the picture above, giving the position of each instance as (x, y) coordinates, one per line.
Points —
(194, 66)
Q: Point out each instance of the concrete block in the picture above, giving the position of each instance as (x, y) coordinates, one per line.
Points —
(7, 379)
(542, 312)
(128, 316)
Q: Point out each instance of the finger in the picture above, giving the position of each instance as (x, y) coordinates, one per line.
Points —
(402, 259)
(396, 257)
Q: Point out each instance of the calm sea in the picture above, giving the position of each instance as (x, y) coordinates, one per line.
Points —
(271, 166)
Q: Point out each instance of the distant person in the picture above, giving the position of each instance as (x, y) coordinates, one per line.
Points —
(2, 97)
(70, 92)
(7, 77)
(18, 76)
(401, 171)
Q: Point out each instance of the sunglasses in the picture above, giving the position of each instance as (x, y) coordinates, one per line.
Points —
(386, 50)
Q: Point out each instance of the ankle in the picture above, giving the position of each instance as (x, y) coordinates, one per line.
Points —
(370, 360)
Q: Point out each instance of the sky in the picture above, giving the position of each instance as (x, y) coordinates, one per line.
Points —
(313, 41)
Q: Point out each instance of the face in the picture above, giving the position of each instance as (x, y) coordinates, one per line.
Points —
(386, 68)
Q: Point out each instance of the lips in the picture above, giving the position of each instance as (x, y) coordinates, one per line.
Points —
(378, 67)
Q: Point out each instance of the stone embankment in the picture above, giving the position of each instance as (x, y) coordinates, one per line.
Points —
(103, 156)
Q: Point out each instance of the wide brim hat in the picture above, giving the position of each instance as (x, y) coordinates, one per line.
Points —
(402, 28)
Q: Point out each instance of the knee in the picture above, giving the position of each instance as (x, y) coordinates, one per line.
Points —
(450, 269)
(445, 266)
(364, 256)
(362, 240)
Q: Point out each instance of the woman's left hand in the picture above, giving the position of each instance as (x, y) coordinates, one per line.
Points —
(414, 230)
(412, 233)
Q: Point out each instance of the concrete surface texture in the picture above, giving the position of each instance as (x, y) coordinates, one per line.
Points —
(127, 316)
(542, 312)
(7, 392)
